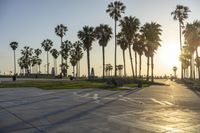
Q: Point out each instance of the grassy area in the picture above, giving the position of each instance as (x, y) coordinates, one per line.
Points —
(191, 83)
(65, 84)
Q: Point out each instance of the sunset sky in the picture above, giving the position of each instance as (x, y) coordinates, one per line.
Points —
(29, 22)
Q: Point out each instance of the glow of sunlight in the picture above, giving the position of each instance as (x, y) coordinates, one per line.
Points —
(169, 55)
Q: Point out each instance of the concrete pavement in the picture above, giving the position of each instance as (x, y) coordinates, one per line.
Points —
(156, 109)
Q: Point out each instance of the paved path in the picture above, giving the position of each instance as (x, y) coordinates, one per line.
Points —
(156, 109)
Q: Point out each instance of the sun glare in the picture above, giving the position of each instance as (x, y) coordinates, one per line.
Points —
(169, 55)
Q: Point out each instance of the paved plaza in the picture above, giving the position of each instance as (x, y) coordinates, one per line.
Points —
(155, 109)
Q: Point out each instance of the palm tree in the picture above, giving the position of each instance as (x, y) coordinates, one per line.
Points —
(185, 61)
(60, 31)
(47, 45)
(27, 53)
(130, 26)
(73, 60)
(174, 69)
(14, 46)
(55, 55)
(87, 36)
(192, 38)
(115, 9)
(123, 45)
(151, 32)
(33, 61)
(140, 50)
(103, 34)
(180, 14)
(39, 62)
(37, 53)
(21, 65)
(65, 50)
(120, 67)
(78, 46)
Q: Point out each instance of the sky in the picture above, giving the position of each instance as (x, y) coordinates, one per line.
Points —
(29, 22)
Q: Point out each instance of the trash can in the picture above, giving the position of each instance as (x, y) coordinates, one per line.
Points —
(139, 84)
(14, 77)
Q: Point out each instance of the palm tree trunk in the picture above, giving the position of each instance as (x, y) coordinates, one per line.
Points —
(39, 69)
(147, 69)
(14, 63)
(66, 68)
(115, 48)
(73, 71)
(47, 63)
(135, 63)
(124, 63)
(55, 67)
(191, 68)
(103, 50)
(61, 55)
(77, 69)
(152, 66)
(197, 57)
(88, 62)
(129, 47)
(140, 65)
(180, 48)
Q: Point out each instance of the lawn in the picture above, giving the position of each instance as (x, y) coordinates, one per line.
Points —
(76, 84)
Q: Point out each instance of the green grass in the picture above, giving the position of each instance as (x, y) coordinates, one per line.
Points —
(65, 84)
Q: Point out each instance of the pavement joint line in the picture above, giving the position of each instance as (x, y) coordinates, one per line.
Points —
(26, 122)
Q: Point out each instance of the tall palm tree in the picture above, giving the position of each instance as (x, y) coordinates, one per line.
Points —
(87, 36)
(60, 31)
(103, 34)
(129, 27)
(180, 14)
(37, 53)
(78, 46)
(151, 32)
(47, 45)
(55, 55)
(121, 40)
(14, 46)
(115, 9)
(65, 51)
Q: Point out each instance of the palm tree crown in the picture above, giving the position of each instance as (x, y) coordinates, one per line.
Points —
(54, 53)
(14, 45)
(47, 44)
(38, 52)
(87, 36)
(130, 26)
(65, 49)
(180, 13)
(60, 30)
(116, 9)
(103, 34)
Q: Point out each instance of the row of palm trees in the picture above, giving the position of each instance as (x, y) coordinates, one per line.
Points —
(143, 40)
(191, 34)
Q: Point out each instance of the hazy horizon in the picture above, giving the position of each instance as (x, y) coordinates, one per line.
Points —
(30, 22)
